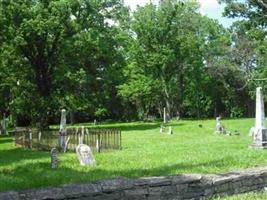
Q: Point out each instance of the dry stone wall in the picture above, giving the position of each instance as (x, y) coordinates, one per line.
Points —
(187, 186)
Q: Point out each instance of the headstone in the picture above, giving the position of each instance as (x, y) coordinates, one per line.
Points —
(251, 131)
(54, 158)
(95, 122)
(39, 136)
(85, 155)
(260, 132)
(62, 129)
(164, 116)
(170, 131)
(218, 124)
(161, 129)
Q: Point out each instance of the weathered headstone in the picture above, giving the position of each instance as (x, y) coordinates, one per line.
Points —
(54, 158)
(161, 129)
(164, 116)
(85, 155)
(170, 130)
(260, 132)
(62, 129)
(218, 124)
(251, 131)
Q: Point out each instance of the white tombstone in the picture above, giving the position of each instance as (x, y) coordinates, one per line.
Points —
(164, 116)
(260, 132)
(63, 121)
(62, 129)
(218, 124)
(85, 155)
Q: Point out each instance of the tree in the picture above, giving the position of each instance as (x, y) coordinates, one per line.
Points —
(166, 66)
(52, 47)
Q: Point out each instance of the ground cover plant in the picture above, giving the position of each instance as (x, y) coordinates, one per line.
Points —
(193, 148)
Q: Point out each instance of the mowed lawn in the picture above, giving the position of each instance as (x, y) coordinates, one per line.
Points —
(145, 152)
(247, 196)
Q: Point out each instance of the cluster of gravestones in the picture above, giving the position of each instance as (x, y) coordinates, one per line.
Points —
(86, 158)
(84, 152)
(259, 131)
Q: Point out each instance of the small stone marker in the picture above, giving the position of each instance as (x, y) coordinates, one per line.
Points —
(170, 131)
(54, 158)
(218, 124)
(85, 155)
(260, 131)
(251, 131)
(161, 129)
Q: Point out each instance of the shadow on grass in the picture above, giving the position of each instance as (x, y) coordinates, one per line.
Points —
(4, 140)
(131, 127)
(12, 156)
(137, 127)
(39, 174)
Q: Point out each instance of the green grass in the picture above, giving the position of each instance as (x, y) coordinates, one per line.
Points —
(248, 196)
(145, 153)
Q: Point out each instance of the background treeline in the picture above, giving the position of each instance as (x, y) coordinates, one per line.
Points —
(100, 61)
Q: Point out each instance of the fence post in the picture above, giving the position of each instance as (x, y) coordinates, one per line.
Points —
(120, 141)
(30, 139)
(98, 143)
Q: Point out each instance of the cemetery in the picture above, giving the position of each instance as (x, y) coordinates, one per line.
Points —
(124, 99)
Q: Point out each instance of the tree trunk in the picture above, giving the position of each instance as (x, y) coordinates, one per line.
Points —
(42, 77)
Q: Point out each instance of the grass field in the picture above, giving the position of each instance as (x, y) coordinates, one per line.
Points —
(248, 196)
(145, 152)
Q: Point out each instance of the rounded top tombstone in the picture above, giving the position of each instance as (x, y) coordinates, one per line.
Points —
(85, 155)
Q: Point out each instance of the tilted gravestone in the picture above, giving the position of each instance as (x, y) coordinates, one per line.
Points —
(85, 155)
(54, 158)
(260, 132)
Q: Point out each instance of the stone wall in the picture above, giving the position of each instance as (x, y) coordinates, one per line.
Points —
(190, 186)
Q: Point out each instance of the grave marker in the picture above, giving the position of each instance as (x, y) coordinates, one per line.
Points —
(62, 129)
(85, 155)
(164, 116)
(260, 132)
(54, 158)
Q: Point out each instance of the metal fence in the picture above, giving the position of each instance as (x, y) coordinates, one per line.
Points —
(98, 139)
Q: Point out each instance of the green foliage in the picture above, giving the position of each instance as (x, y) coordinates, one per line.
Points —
(56, 50)
(98, 60)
